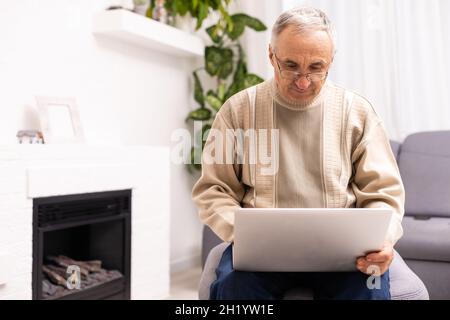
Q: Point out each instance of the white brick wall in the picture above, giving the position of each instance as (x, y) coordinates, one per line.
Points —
(29, 171)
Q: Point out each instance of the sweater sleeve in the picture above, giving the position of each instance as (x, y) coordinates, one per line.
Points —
(377, 182)
(218, 192)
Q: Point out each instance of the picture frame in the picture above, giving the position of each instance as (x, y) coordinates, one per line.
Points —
(60, 120)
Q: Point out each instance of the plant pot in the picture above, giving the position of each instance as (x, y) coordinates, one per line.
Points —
(141, 9)
(186, 23)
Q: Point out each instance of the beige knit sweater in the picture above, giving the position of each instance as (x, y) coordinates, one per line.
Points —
(339, 150)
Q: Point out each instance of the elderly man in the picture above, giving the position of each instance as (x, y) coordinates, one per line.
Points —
(333, 153)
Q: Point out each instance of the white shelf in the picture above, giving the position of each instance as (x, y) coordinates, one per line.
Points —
(132, 28)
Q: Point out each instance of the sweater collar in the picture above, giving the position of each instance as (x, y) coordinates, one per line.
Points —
(294, 105)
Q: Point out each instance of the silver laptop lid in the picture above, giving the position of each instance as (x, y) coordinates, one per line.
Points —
(293, 239)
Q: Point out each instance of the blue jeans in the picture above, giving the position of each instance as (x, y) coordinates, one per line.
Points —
(236, 285)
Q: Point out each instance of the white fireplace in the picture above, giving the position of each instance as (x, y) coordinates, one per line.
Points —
(33, 171)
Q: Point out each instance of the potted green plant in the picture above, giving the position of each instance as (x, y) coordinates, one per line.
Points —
(197, 9)
(224, 61)
(141, 6)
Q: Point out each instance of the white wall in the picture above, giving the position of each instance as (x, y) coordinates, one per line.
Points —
(126, 95)
(256, 44)
(395, 53)
(392, 52)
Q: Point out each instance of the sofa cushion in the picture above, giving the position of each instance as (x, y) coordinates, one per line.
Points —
(209, 241)
(424, 162)
(404, 283)
(209, 271)
(435, 276)
(395, 146)
(425, 239)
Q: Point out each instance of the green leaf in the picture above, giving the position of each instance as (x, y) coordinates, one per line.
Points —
(200, 114)
(252, 80)
(171, 6)
(202, 13)
(213, 100)
(181, 7)
(226, 18)
(200, 136)
(237, 28)
(193, 11)
(193, 4)
(241, 70)
(198, 90)
(233, 89)
(213, 4)
(250, 22)
(240, 21)
(248, 81)
(221, 90)
(219, 61)
(213, 33)
(149, 12)
(196, 166)
(205, 132)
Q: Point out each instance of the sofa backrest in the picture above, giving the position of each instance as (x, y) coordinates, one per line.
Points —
(424, 163)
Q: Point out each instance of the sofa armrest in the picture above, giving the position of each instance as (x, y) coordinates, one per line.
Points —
(209, 270)
(395, 146)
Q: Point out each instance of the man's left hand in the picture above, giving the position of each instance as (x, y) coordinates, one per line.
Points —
(377, 262)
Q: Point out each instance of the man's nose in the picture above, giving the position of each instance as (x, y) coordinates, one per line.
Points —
(302, 83)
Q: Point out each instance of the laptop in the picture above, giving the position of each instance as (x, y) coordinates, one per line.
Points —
(306, 240)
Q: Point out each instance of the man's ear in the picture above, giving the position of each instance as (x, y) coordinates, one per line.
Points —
(333, 54)
(271, 55)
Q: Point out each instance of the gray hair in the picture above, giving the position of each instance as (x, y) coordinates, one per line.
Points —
(303, 19)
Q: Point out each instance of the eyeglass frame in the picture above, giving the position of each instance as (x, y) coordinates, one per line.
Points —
(298, 74)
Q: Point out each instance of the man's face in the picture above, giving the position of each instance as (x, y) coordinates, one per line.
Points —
(308, 52)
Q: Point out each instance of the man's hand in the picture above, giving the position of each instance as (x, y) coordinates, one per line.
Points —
(376, 263)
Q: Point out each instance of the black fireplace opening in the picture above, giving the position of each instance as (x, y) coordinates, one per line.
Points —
(82, 246)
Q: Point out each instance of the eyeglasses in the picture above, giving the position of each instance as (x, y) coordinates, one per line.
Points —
(293, 75)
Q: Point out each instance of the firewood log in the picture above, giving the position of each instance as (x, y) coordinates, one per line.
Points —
(53, 276)
(66, 262)
(91, 266)
(59, 270)
(94, 265)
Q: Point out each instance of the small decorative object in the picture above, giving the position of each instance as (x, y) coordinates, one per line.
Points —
(60, 121)
(141, 6)
(30, 136)
(120, 4)
(160, 13)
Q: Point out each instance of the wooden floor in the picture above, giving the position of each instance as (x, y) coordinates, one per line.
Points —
(184, 285)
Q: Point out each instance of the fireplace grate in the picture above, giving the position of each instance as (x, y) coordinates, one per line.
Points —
(80, 210)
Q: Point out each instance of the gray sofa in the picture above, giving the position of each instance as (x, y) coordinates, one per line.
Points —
(424, 163)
